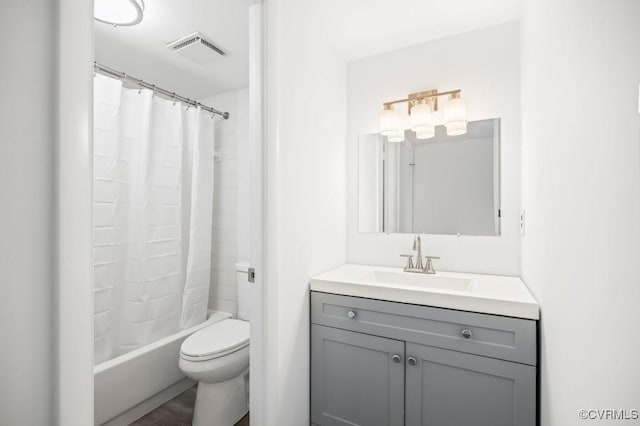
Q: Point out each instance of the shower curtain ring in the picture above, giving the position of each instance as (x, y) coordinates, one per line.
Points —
(139, 88)
(174, 98)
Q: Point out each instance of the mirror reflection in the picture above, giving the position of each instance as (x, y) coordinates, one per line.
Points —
(442, 185)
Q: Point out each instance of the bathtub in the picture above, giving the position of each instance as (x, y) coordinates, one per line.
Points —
(129, 386)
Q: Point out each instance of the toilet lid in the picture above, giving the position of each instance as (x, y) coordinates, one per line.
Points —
(222, 337)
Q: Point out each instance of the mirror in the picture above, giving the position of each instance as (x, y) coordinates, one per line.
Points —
(442, 185)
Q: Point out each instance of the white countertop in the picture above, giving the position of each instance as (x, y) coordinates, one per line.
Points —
(491, 294)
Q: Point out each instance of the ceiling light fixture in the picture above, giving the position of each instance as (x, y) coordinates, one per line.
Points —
(424, 116)
(118, 12)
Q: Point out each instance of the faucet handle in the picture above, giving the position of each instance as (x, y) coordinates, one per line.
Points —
(409, 264)
(428, 267)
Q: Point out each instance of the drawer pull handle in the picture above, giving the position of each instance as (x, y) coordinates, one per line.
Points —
(466, 333)
(412, 361)
(396, 358)
(351, 314)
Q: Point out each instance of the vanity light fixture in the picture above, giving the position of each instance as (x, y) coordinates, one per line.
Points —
(423, 108)
(118, 12)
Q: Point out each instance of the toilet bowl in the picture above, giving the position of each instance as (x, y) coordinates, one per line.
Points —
(217, 357)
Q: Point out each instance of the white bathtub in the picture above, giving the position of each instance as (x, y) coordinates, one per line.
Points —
(135, 383)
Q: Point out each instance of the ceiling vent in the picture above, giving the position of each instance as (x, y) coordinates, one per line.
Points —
(197, 48)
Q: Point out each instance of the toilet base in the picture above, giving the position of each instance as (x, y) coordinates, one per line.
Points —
(222, 404)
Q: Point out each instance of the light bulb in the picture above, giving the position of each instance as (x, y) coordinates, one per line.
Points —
(118, 12)
(389, 121)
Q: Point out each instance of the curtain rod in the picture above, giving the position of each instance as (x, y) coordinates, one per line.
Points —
(102, 69)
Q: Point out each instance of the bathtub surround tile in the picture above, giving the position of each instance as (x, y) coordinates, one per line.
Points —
(227, 167)
(230, 230)
(224, 246)
(226, 292)
(177, 412)
(226, 209)
(228, 184)
(225, 193)
(223, 305)
(223, 225)
(227, 152)
(225, 277)
(225, 261)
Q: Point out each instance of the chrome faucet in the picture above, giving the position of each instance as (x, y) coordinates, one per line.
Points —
(418, 267)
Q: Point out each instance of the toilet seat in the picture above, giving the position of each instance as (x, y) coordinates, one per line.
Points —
(216, 340)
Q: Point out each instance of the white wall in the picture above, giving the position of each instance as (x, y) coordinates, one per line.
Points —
(26, 175)
(73, 394)
(485, 65)
(306, 207)
(230, 230)
(581, 192)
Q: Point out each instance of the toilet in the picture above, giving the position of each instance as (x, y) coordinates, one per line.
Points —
(217, 357)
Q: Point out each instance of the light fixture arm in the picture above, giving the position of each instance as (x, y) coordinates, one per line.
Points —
(431, 96)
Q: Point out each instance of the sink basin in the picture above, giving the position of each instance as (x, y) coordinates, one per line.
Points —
(423, 280)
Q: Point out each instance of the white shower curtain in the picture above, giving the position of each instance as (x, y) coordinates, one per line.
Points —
(152, 212)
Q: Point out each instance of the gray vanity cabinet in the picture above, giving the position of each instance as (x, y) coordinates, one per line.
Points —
(381, 363)
(357, 379)
(446, 387)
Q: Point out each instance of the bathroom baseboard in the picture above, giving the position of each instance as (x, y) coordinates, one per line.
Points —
(150, 404)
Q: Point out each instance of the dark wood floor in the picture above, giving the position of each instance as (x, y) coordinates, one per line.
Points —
(177, 412)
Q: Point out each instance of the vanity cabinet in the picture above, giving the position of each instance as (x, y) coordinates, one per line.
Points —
(386, 363)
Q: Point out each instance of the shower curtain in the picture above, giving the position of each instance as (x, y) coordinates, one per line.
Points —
(152, 212)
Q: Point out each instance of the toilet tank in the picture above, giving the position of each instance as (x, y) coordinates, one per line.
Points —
(243, 290)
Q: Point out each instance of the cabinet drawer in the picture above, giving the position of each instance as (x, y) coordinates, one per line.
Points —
(511, 339)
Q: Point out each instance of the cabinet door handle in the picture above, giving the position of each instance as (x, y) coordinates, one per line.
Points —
(466, 333)
(396, 358)
(351, 314)
(412, 361)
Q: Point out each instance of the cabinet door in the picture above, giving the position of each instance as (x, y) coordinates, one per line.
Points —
(449, 388)
(356, 379)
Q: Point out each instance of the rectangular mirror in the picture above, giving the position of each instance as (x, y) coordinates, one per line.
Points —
(443, 185)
